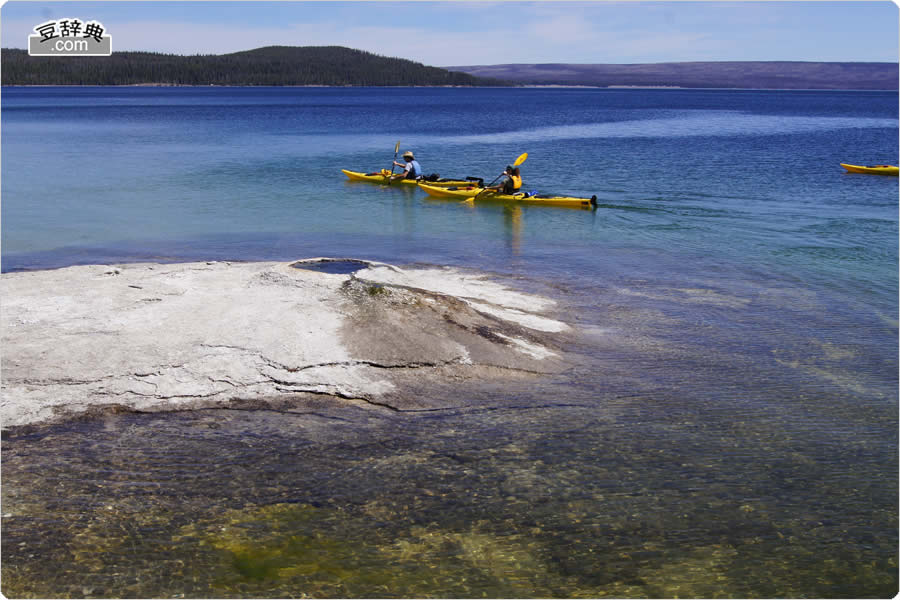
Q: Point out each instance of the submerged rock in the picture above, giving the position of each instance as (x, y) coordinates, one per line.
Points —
(153, 337)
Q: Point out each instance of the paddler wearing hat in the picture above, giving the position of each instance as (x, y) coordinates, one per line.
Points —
(412, 168)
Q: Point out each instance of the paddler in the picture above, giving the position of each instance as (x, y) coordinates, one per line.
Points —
(412, 168)
(512, 183)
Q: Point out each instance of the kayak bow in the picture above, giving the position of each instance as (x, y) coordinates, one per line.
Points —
(873, 170)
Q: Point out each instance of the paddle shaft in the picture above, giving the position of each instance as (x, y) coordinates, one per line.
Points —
(518, 162)
(487, 186)
(396, 150)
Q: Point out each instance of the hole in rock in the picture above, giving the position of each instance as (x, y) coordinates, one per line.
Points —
(337, 266)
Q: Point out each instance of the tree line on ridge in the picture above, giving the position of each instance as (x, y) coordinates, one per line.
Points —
(274, 65)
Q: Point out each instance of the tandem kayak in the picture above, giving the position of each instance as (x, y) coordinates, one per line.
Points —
(381, 177)
(469, 192)
(873, 170)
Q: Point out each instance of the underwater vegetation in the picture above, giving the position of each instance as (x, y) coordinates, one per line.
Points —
(552, 502)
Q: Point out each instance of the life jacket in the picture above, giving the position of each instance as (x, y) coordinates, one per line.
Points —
(516, 181)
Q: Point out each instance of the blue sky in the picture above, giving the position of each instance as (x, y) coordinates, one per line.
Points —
(470, 33)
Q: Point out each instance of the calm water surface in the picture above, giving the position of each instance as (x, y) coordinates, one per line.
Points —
(728, 426)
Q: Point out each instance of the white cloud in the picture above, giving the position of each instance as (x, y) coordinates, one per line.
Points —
(480, 33)
(552, 36)
(561, 29)
(416, 43)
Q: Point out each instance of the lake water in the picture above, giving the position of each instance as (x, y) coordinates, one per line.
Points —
(728, 427)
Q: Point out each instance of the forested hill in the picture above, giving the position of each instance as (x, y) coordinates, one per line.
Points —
(273, 65)
(762, 75)
(337, 65)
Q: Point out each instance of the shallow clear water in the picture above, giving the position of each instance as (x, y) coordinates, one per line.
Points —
(728, 426)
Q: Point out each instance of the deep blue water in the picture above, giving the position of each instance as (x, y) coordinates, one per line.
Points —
(749, 178)
(730, 426)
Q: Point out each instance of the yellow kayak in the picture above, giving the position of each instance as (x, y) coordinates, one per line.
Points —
(469, 192)
(873, 170)
(382, 178)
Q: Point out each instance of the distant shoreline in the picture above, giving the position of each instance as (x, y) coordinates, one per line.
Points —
(474, 87)
(699, 75)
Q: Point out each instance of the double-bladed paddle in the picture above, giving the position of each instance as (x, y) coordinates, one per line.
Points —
(518, 162)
